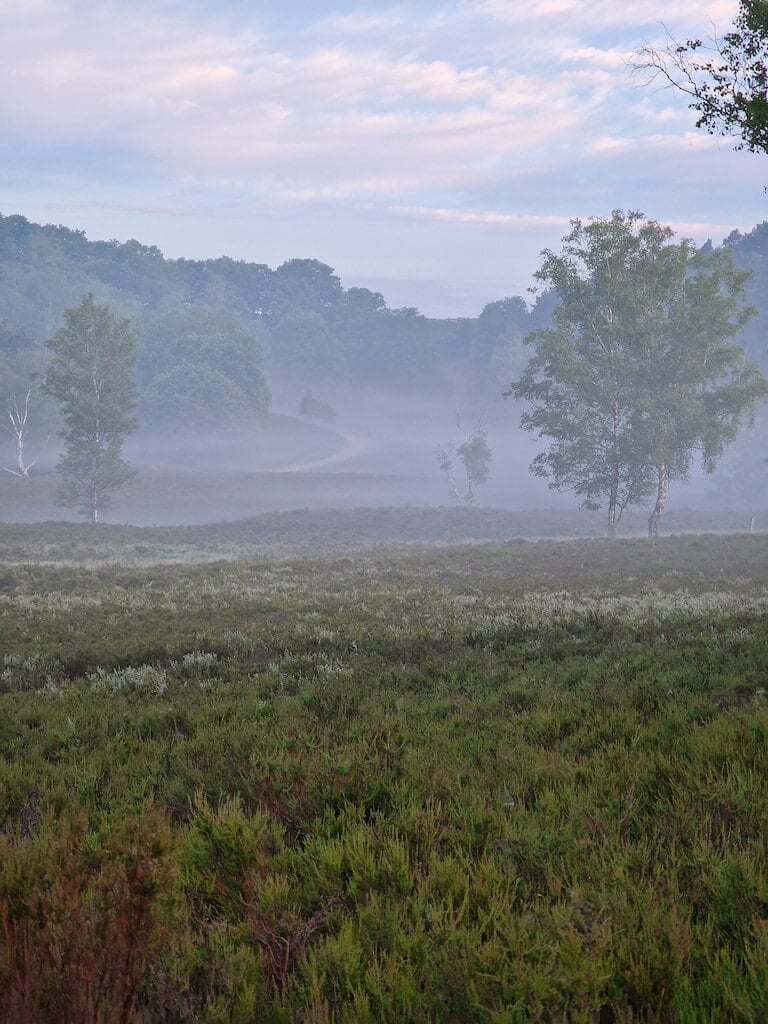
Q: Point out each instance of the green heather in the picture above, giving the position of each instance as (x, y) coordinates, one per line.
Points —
(493, 783)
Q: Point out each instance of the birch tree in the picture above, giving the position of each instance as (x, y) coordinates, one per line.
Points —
(91, 375)
(19, 429)
(695, 390)
(475, 455)
(635, 377)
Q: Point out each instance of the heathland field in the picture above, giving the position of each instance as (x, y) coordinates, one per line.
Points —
(495, 782)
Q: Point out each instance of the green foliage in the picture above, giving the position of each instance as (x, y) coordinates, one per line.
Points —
(304, 350)
(80, 945)
(193, 397)
(299, 314)
(219, 313)
(534, 789)
(200, 369)
(635, 376)
(750, 253)
(307, 285)
(13, 341)
(495, 342)
(316, 408)
(91, 376)
(475, 455)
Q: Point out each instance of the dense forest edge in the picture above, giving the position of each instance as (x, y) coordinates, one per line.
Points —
(223, 344)
(211, 329)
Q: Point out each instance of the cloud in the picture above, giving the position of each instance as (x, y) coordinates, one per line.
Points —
(210, 100)
(407, 117)
(700, 230)
(365, 135)
(651, 113)
(685, 142)
(361, 23)
(516, 220)
(611, 59)
(604, 14)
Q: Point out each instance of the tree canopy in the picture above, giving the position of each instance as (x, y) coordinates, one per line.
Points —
(237, 325)
(298, 314)
(635, 375)
(91, 376)
(201, 368)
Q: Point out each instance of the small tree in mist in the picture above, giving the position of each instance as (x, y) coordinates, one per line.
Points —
(635, 377)
(474, 454)
(26, 418)
(91, 375)
(315, 408)
(19, 430)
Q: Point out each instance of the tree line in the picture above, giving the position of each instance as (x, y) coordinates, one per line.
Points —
(211, 333)
(633, 378)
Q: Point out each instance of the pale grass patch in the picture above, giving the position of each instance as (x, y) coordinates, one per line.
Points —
(28, 672)
(151, 678)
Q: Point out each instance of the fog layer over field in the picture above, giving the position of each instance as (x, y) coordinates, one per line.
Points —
(260, 390)
(380, 451)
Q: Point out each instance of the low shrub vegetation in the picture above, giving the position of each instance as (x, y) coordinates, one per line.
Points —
(495, 783)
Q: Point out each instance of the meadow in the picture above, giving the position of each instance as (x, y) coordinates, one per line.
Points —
(495, 782)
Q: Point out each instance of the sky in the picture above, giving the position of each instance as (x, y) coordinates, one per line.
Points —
(426, 150)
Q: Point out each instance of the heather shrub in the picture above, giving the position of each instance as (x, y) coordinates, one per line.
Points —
(505, 783)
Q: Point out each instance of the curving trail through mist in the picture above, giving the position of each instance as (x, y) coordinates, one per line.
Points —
(353, 446)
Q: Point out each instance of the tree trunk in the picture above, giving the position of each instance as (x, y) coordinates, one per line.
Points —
(613, 497)
(611, 520)
(23, 470)
(661, 501)
(18, 430)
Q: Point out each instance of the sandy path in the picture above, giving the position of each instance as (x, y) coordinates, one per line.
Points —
(353, 446)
